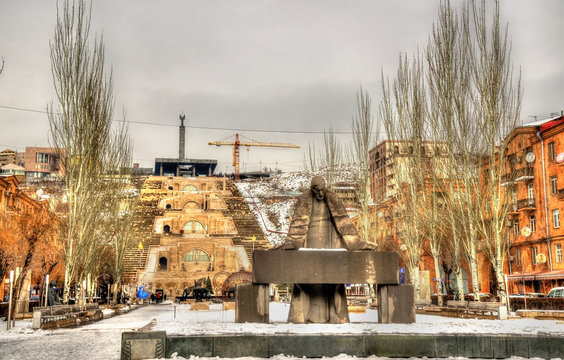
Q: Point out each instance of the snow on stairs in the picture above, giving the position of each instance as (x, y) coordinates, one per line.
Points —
(245, 222)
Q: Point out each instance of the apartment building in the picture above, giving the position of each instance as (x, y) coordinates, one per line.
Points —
(535, 182)
(41, 162)
(9, 156)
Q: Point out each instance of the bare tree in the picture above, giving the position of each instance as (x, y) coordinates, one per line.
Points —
(447, 79)
(363, 140)
(80, 127)
(403, 114)
(496, 103)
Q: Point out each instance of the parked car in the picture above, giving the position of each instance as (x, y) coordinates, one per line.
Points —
(536, 295)
(557, 292)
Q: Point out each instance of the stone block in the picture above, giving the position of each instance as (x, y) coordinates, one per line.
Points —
(508, 346)
(36, 322)
(241, 346)
(399, 345)
(546, 347)
(307, 266)
(198, 306)
(446, 346)
(228, 305)
(475, 346)
(312, 346)
(396, 304)
(252, 303)
(143, 345)
(186, 346)
(502, 313)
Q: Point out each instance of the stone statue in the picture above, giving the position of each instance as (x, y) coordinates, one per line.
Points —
(320, 221)
(52, 296)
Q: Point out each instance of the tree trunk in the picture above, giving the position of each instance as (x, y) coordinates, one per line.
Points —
(474, 265)
(439, 281)
(459, 284)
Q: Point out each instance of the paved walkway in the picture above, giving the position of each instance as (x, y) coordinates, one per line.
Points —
(98, 340)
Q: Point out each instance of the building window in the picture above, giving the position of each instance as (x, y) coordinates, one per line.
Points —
(533, 223)
(516, 227)
(553, 185)
(518, 257)
(556, 218)
(530, 192)
(194, 227)
(190, 188)
(558, 252)
(196, 256)
(42, 158)
(534, 254)
(551, 152)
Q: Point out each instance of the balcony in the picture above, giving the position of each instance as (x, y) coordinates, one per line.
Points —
(512, 209)
(527, 204)
(522, 174)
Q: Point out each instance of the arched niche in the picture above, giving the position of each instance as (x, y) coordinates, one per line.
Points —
(192, 205)
(190, 188)
(196, 255)
(194, 227)
(163, 262)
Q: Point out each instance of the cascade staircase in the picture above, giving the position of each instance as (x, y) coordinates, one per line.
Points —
(245, 222)
(145, 212)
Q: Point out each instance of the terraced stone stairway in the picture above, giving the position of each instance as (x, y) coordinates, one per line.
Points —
(145, 212)
(245, 222)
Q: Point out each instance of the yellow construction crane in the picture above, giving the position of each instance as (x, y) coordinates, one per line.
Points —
(248, 143)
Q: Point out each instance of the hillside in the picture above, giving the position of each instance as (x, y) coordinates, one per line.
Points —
(272, 199)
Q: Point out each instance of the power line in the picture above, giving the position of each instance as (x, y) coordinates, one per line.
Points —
(196, 126)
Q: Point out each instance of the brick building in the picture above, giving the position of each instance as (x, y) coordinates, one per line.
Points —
(536, 235)
(13, 202)
(41, 162)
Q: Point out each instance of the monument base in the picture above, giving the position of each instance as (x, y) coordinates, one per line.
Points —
(396, 304)
(252, 303)
(359, 345)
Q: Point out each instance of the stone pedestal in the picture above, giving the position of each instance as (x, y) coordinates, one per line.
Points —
(143, 345)
(316, 266)
(251, 303)
(396, 304)
(502, 313)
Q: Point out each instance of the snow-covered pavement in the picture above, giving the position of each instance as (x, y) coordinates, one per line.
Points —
(102, 339)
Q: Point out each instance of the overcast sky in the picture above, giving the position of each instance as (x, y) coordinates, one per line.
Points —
(290, 68)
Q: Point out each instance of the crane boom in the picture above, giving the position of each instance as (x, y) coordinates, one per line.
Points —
(237, 144)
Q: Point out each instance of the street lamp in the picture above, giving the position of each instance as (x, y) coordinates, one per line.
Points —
(10, 300)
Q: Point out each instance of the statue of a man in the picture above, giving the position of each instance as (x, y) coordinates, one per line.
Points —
(52, 296)
(320, 221)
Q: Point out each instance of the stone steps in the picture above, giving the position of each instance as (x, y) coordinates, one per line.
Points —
(245, 222)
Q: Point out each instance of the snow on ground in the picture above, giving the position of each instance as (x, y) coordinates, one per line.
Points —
(102, 339)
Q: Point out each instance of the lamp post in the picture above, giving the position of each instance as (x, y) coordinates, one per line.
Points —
(10, 300)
